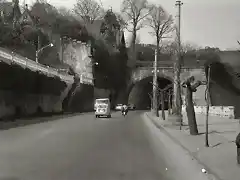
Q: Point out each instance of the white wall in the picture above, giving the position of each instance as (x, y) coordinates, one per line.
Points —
(223, 111)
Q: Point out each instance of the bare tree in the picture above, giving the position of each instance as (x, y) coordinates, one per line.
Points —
(189, 47)
(64, 11)
(88, 10)
(191, 86)
(135, 12)
(122, 22)
(160, 22)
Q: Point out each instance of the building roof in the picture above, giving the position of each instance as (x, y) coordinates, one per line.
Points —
(10, 10)
(6, 8)
(26, 16)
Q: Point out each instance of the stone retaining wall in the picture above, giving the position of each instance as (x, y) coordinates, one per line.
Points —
(223, 111)
(19, 104)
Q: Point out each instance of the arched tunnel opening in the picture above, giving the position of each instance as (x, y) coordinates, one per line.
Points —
(141, 93)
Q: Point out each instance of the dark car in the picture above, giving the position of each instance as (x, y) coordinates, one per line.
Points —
(131, 106)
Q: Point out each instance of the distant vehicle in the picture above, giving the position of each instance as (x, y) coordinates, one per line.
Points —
(102, 107)
(149, 107)
(131, 106)
(118, 107)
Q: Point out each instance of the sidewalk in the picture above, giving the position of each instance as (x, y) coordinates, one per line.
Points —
(220, 158)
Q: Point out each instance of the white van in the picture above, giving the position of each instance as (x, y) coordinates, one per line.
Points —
(102, 107)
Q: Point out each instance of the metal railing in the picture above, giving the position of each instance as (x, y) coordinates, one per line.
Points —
(13, 58)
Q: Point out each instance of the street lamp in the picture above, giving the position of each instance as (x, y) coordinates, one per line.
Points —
(40, 50)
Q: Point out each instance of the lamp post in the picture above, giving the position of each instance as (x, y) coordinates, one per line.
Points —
(40, 50)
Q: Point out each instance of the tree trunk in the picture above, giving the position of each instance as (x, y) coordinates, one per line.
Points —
(155, 87)
(163, 105)
(132, 62)
(169, 103)
(190, 111)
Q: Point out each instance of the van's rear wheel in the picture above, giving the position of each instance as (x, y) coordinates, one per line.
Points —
(96, 116)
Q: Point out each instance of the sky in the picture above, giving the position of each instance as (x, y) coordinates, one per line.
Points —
(214, 23)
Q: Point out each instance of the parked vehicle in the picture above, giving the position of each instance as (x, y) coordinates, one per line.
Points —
(118, 107)
(102, 107)
(131, 106)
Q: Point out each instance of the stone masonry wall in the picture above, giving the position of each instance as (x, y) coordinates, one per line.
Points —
(12, 104)
(77, 55)
(28, 88)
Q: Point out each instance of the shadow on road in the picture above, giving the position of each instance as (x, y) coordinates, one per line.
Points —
(33, 119)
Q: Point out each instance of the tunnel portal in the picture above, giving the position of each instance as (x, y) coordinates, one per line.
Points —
(141, 93)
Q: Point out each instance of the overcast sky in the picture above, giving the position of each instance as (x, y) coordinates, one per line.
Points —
(204, 22)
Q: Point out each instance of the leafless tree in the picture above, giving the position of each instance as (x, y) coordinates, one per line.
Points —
(189, 47)
(161, 24)
(191, 86)
(88, 10)
(169, 47)
(64, 11)
(122, 22)
(135, 12)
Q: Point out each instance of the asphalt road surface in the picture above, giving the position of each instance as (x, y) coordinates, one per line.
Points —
(82, 148)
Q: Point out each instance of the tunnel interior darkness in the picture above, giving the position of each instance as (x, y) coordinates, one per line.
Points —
(139, 95)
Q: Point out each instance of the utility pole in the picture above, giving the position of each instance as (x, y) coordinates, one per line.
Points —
(207, 107)
(155, 88)
(177, 105)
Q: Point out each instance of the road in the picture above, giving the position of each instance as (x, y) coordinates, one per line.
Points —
(82, 148)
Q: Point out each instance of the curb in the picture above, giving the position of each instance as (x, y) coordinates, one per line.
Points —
(215, 176)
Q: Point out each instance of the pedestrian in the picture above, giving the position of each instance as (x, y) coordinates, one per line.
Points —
(238, 147)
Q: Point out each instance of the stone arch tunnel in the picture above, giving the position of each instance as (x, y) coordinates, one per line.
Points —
(139, 92)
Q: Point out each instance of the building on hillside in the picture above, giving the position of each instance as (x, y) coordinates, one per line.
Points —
(26, 18)
(10, 12)
(95, 30)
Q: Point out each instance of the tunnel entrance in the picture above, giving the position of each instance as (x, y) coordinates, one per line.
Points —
(141, 93)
